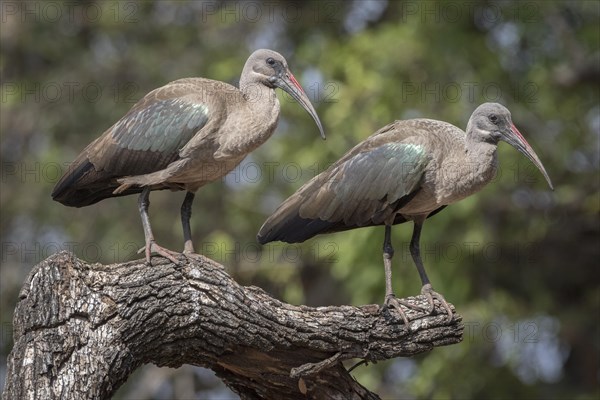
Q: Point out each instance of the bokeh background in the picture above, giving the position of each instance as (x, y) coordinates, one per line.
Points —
(519, 261)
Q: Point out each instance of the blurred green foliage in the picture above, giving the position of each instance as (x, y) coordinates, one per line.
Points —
(517, 260)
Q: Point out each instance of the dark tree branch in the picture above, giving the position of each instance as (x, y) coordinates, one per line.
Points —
(81, 329)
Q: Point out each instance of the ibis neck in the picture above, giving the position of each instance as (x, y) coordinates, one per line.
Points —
(257, 116)
(261, 102)
(465, 170)
(482, 159)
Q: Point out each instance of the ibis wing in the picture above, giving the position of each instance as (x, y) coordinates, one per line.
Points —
(147, 139)
(364, 189)
(359, 191)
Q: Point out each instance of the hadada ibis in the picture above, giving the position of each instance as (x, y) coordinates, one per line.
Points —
(182, 136)
(406, 171)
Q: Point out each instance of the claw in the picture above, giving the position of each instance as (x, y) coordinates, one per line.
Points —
(391, 301)
(152, 247)
(431, 294)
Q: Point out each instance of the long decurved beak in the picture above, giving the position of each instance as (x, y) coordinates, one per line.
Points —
(286, 82)
(516, 140)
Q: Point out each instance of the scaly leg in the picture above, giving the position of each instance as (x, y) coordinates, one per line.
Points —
(186, 214)
(151, 246)
(426, 290)
(390, 299)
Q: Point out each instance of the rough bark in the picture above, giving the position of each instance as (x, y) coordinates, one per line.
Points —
(81, 329)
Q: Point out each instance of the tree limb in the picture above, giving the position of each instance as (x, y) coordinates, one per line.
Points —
(81, 329)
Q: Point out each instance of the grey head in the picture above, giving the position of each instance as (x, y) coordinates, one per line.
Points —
(269, 68)
(491, 122)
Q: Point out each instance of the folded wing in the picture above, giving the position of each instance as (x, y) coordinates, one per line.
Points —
(365, 188)
(147, 139)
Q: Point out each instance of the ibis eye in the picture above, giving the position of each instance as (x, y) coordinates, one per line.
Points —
(270, 61)
(494, 118)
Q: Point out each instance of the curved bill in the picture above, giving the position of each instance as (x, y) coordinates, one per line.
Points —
(515, 139)
(290, 85)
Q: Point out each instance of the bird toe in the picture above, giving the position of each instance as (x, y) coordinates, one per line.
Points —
(152, 247)
(431, 294)
(393, 303)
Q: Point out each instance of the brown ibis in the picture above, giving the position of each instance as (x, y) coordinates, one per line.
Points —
(406, 171)
(182, 136)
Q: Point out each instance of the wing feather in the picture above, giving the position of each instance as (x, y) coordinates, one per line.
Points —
(147, 139)
(358, 191)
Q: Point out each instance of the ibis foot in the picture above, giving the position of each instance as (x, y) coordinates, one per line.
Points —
(152, 247)
(191, 255)
(392, 302)
(431, 294)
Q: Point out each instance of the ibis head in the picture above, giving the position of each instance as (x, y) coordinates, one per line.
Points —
(492, 122)
(269, 68)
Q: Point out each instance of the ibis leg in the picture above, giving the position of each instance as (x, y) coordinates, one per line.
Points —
(186, 214)
(388, 253)
(151, 246)
(391, 300)
(426, 290)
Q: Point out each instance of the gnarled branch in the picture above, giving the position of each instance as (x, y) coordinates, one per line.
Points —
(81, 329)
